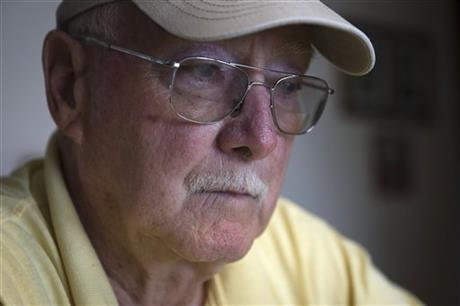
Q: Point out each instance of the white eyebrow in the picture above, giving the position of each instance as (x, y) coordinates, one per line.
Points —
(299, 47)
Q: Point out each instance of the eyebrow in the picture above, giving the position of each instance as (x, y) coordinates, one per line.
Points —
(299, 47)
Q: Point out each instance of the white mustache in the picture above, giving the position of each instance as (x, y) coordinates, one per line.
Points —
(240, 181)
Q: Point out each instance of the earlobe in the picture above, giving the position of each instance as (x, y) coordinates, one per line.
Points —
(63, 63)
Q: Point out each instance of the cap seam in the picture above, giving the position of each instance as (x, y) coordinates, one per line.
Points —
(235, 9)
(208, 18)
(231, 5)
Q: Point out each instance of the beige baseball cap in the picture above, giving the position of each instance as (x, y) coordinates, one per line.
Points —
(336, 39)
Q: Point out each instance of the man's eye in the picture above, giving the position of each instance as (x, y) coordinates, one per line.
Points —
(289, 87)
(205, 71)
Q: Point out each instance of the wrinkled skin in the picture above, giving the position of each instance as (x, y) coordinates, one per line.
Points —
(129, 155)
(138, 154)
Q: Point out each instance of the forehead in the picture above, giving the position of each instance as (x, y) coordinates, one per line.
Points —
(282, 42)
(289, 41)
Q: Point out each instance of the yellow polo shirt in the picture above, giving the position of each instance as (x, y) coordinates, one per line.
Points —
(47, 259)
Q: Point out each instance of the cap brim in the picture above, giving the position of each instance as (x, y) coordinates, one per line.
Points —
(336, 39)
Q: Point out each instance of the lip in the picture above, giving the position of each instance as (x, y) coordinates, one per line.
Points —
(230, 193)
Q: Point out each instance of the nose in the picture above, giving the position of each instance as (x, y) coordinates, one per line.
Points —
(250, 133)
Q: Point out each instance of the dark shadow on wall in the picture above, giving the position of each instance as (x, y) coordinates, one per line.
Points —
(415, 151)
(456, 11)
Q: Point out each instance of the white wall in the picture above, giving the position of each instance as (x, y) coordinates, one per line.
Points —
(412, 238)
(25, 123)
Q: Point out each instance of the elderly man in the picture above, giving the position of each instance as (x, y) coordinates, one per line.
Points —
(175, 120)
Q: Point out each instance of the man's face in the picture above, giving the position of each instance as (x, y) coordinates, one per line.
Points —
(140, 162)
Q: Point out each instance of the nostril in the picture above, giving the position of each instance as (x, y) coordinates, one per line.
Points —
(243, 151)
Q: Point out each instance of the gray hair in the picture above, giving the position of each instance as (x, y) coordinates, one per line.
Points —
(99, 22)
(227, 180)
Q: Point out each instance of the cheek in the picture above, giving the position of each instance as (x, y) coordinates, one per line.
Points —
(276, 169)
(142, 149)
(165, 153)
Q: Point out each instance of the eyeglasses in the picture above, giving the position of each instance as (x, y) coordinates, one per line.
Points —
(206, 90)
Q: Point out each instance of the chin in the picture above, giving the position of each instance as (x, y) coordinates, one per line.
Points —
(227, 243)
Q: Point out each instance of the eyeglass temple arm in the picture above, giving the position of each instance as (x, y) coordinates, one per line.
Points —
(95, 41)
(330, 91)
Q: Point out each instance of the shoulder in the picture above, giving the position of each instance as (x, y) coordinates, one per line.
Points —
(301, 233)
(23, 199)
(308, 247)
(22, 192)
(293, 218)
(30, 259)
(326, 267)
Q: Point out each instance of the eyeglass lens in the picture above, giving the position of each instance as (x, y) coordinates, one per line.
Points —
(205, 91)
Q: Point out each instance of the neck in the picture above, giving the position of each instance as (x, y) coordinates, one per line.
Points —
(147, 277)
(151, 276)
(160, 287)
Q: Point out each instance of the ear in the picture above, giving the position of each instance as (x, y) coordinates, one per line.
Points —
(63, 65)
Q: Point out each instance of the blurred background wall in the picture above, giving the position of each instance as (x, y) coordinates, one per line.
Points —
(389, 182)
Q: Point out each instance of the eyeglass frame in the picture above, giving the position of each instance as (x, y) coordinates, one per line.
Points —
(176, 65)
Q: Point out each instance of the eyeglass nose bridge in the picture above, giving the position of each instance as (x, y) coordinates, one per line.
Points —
(238, 108)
